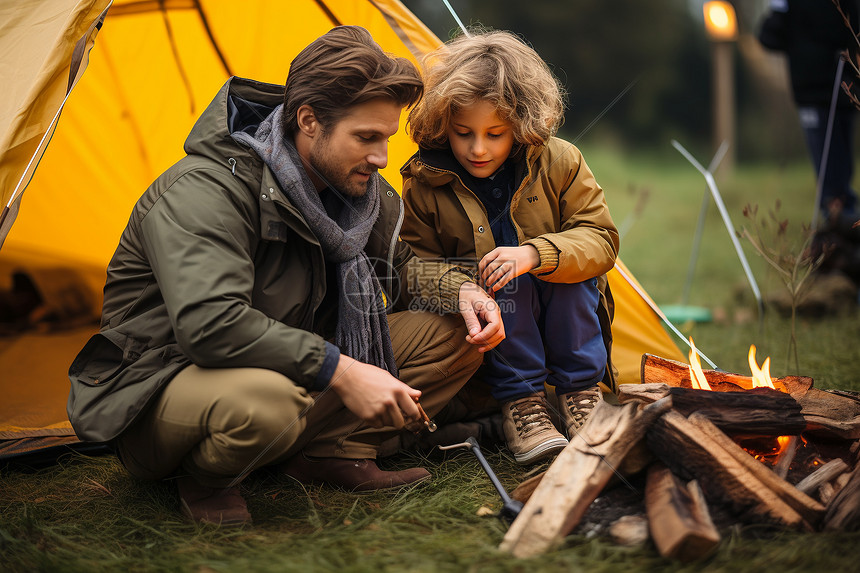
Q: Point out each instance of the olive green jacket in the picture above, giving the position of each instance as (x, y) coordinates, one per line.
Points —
(216, 268)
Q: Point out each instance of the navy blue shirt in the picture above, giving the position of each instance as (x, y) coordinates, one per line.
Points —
(495, 192)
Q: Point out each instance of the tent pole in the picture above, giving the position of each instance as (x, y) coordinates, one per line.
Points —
(718, 199)
(697, 239)
(662, 316)
(457, 18)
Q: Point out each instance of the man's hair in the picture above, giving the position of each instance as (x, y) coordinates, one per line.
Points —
(493, 66)
(343, 68)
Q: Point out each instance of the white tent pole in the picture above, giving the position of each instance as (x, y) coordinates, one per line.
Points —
(38, 153)
(718, 199)
(659, 313)
(457, 18)
(703, 211)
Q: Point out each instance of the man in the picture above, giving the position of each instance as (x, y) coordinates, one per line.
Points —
(813, 35)
(244, 316)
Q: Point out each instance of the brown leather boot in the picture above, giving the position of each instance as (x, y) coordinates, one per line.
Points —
(204, 504)
(351, 475)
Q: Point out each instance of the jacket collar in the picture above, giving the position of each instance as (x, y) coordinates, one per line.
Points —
(438, 167)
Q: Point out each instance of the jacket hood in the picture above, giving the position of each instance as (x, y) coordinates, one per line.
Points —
(240, 105)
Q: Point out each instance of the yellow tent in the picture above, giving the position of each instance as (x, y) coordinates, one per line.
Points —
(153, 68)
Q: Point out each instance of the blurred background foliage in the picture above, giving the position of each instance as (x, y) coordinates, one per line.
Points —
(598, 48)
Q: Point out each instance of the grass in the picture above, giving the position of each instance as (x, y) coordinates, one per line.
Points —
(87, 514)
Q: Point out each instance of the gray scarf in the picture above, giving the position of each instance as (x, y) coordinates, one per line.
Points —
(362, 329)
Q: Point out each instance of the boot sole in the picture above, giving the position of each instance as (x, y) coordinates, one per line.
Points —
(541, 451)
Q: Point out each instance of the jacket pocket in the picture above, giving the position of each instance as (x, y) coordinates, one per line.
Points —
(101, 358)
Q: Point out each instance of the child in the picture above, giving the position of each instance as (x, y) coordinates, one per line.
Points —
(491, 184)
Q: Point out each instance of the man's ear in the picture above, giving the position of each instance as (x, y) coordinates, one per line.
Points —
(307, 121)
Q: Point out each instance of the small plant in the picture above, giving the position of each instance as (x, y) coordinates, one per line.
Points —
(788, 254)
(848, 87)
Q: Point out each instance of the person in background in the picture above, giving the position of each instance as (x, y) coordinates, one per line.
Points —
(249, 311)
(812, 34)
(491, 184)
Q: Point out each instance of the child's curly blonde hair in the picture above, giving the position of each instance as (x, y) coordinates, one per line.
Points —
(493, 66)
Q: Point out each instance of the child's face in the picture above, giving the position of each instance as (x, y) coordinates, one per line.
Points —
(479, 139)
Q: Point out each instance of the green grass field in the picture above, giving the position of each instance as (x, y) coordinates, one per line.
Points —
(86, 514)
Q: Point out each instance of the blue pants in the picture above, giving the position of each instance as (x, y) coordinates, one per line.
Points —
(552, 334)
(840, 157)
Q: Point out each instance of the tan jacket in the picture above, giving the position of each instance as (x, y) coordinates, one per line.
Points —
(558, 207)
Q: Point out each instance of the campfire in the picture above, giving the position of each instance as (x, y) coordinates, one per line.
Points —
(759, 449)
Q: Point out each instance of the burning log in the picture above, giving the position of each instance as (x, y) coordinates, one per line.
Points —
(761, 411)
(680, 523)
(578, 475)
(698, 449)
(659, 370)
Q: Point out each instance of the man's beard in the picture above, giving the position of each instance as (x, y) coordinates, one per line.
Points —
(329, 169)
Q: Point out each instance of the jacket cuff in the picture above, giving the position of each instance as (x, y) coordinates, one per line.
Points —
(548, 256)
(449, 288)
(332, 357)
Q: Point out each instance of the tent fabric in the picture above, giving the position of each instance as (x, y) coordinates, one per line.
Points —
(40, 74)
(154, 68)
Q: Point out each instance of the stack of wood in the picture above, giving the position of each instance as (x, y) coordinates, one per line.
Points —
(686, 440)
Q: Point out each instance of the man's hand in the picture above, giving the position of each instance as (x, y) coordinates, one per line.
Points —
(503, 264)
(477, 307)
(374, 395)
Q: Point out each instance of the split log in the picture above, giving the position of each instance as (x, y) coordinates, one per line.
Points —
(822, 475)
(637, 459)
(758, 412)
(826, 493)
(831, 413)
(807, 507)
(698, 449)
(843, 511)
(678, 516)
(786, 456)
(524, 491)
(578, 475)
(664, 371)
(629, 530)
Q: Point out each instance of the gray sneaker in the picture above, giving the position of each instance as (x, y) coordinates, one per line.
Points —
(576, 406)
(529, 431)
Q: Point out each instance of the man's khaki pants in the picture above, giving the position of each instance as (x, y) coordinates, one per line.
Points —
(219, 424)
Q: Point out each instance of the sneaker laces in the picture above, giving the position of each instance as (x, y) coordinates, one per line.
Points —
(580, 404)
(530, 414)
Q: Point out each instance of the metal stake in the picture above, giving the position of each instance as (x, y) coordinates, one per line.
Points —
(511, 507)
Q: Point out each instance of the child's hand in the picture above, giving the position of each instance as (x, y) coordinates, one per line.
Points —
(503, 264)
(477, 309)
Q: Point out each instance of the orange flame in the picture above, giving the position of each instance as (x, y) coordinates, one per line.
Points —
(760, 376)
(697, 376)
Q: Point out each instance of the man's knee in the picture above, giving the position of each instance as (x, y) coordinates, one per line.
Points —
(451, 337)
(263, 407)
